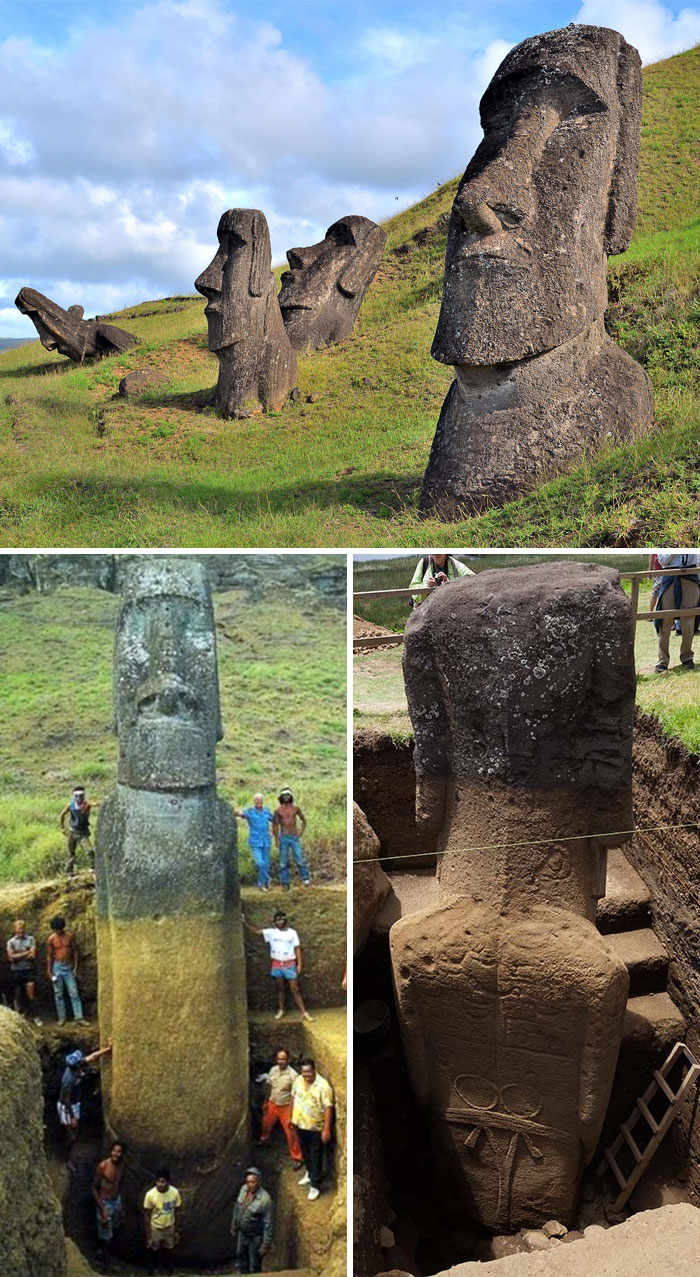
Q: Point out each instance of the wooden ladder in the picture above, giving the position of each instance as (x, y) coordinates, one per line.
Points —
(674, 1099)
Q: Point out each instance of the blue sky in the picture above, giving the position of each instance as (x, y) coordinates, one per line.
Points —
(127, 128)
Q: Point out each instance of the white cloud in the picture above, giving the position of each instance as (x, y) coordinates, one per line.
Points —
(648, 25)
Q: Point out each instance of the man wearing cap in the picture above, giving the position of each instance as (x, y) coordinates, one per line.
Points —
(285, 954)
(68, 1105)
(288, 838)
(251, 1223)
(259, 819)
(78, 831)
(21, 955)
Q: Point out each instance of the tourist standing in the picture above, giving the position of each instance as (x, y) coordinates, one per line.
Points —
(286, 959)
(107, 1192)
(436, 569)
(21, 954)
(682, 591)
(160, 1206)
(288, 835)
(77, 830)
(62, 969)
(251, 1223)
(278, 1105)
(259, 819)
(312, 1115)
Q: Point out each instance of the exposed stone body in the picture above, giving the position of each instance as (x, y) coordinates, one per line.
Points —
(32, 1243)
(67, 331)
(549, 193)
(370, 885)
(172, 990)
(326, 284)
(257, 365)
(520, 687)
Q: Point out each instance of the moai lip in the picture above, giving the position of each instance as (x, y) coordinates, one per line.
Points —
(520, 687)
(257, 365)
(550, 192)
(67, 331)
(326, 283)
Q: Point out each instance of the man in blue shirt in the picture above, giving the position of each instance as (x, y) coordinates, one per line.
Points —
(259, 819)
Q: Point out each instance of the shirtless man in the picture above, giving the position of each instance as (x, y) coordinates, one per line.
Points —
(287, 835)
(62, 969)
(106, 1190)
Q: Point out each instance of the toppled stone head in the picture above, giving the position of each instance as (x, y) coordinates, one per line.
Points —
(166, 683)
(551, 190)
(326, 284)
(67, 331)
(257, 366)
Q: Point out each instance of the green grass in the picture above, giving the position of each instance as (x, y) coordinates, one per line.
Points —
(282, 673)
(81, 467)
(379, 700)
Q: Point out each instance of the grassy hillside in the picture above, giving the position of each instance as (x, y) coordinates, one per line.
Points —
(282, 673)
(82, 467)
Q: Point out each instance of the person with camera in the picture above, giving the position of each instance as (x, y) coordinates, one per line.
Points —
(436, 569)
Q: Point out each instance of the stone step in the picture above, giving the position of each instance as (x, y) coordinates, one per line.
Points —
(626, 903)
(645, 957)
(653, 1023)
(653, 1019)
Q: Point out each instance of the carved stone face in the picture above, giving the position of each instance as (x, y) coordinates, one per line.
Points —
(549, 192)
(58, 329)
(165, 677)
(323, 289)
(240, 271)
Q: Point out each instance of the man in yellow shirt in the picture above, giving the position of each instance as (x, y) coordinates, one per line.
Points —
(160, 1206)
(312, 1116)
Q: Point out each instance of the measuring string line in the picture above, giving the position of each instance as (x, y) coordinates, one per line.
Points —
(534, 842)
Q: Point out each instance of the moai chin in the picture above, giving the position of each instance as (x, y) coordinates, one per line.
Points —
(520, 687)
(172, 986)
(326, 283)
(550, 192)
(67, 332)
(257, 365)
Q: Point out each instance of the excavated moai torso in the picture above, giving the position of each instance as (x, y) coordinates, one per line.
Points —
(549, 194)
(326, 284)
(67, 331)
(257, 365)
(172, 987)
(520, 687)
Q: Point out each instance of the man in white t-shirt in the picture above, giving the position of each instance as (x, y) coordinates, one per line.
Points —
(285, 953)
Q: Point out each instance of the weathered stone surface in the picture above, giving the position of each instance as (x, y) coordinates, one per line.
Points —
(167, 890)
(67, 331)
(521, 693)
(326, 284)
(554, 1229)
(655, 1243)
(370, 884)
(549, 193)
(257, 365)
(143, 379)
(32, 1243)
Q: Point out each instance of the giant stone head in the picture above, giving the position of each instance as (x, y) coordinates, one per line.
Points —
(166, 684)
(238, 275)
(549, 193)
(326, 284)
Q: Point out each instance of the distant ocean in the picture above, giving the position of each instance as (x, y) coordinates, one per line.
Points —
(8, 343)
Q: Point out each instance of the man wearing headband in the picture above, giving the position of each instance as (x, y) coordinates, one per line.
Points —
(78, 831)
(285, 953)
(288, 838)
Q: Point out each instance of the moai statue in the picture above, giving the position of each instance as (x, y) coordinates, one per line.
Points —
(257, 366)
(326, 284)
(67, 331)
(550, 192)
(521, 689)
(172, 985)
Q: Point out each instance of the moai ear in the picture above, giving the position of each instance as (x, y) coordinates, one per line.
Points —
(75, 312)
(260, 256)
(354, 277)
(622, 200)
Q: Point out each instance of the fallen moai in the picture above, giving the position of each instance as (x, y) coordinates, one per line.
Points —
(257, 365)
(550, 192)
(67, 331)
(172, 984)
(324, 288)
(520, 687)
(32, 1243)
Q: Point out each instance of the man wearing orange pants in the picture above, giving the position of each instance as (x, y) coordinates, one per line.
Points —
(278, 1105)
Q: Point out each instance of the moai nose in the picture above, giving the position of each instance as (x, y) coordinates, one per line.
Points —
(478, 217)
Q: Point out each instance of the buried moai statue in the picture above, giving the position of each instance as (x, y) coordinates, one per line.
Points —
(550, 192)
(172, 984)
(324, 288)
(520, 687)
(67, 331)
(257, 365)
